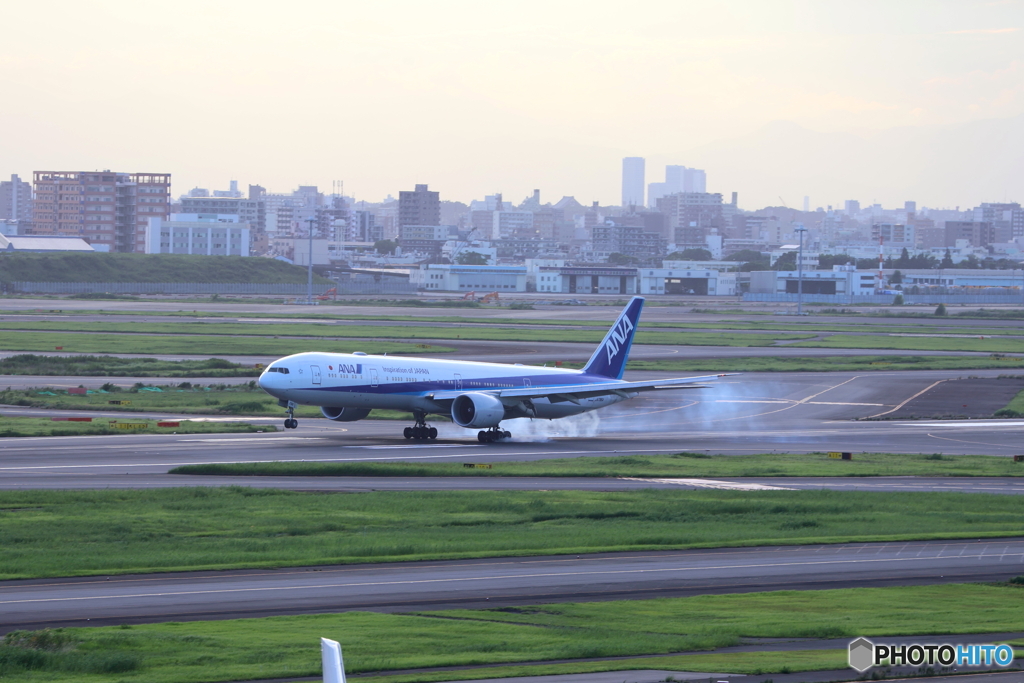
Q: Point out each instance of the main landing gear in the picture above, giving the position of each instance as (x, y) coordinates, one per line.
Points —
(421, 431)
(291, 422)
(493, 434)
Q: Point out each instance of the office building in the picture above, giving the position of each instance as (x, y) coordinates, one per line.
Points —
(507, 225)
(107, 209)
(894, 235)
(424, 239)
(1007, 219)
(677, 179)
(632, 181)
(691, 217)
(977, 233)
(15, 200)
(206, 234)
(251, 211)
(365, 228)
(419, 207)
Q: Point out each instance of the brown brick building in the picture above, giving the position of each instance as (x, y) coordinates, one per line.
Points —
(107, 209)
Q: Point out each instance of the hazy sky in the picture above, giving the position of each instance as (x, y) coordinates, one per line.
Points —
(477, 97)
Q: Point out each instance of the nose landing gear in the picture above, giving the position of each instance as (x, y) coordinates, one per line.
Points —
(291, 422)
(492, 435)
(421, 431)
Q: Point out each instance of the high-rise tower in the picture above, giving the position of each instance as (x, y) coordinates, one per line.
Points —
(633, 181)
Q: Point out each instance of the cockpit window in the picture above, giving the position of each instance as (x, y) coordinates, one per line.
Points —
(283, 371)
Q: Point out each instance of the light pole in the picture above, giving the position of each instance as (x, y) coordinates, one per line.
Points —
(309, 283)
(800, 272)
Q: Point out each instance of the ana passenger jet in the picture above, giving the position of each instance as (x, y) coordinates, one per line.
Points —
(476, 395)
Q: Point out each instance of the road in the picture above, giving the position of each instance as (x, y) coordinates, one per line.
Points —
(400, 587)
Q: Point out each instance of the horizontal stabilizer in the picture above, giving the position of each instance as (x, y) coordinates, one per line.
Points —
(334, 667)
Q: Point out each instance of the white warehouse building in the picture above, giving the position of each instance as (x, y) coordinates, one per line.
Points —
(447, 278)
(198, 233)
(692, 280)
(840, 280)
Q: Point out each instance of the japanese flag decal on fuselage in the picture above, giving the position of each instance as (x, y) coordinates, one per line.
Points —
(609, 360)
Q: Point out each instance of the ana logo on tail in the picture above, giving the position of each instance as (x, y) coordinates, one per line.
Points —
(618, 336)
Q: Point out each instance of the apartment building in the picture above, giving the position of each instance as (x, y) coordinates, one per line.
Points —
(109, 210)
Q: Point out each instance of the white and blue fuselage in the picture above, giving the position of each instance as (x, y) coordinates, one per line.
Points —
(475, 395)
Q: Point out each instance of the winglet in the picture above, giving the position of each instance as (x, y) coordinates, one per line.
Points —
(609, 360)
(334, 668)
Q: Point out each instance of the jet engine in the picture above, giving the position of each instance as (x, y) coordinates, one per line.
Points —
(475, 410)
(344, 414)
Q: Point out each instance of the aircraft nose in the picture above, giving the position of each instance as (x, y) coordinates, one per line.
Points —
(267, 381)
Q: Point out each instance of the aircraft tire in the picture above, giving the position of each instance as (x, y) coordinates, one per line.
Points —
(481, 437)
(407, 433)
(432, 433)
(507, 435)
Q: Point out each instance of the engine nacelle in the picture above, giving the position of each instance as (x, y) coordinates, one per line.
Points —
(477, 411)
(344, 414)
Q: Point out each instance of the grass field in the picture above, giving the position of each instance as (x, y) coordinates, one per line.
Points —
(248, 332)
(44, 426)
(1015, 408)
(654, 466)
(101, 267)
(841, 341)
(872, 325)
(828, 364)
(12, 340)
(114, 532)
(514, 641)
(114, 366)
(213, 399)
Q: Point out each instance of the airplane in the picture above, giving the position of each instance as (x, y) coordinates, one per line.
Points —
(476, 395)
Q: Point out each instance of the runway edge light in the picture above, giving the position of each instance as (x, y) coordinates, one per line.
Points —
(334, 668)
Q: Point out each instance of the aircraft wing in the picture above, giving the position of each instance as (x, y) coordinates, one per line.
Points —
(573, 392)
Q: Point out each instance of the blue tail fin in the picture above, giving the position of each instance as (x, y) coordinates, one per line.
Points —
(610, 358)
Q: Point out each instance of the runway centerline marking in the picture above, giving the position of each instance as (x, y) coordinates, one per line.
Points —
(607, 572)
(711, 484)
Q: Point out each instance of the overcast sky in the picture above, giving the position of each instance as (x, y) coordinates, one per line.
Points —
(477, 97)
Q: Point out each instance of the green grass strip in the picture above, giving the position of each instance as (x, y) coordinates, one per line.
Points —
(1014, 408)
(684, 465)
(522, 641)
(244, 332)
(872, 325)
(195, 345)
(44, 426)
(182, 398)
(64, 533)
(115, 366)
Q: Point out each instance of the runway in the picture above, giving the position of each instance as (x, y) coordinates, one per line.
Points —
(755, 413)
(400, 587)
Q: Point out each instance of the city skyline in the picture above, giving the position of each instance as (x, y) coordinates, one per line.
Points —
(555, 95)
